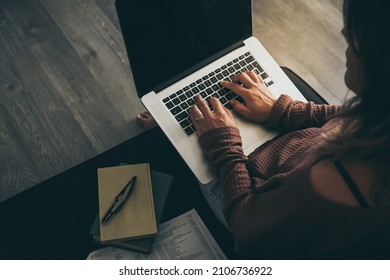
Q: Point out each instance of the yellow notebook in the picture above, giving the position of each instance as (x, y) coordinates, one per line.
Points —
(136, 218)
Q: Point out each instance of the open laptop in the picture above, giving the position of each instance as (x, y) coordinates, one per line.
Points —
(180, 48)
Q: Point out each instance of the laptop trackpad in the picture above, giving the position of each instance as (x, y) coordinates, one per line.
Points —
(253, 134)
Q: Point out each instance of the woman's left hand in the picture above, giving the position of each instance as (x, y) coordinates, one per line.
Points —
(204, 119)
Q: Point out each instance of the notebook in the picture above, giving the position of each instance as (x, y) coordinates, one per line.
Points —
(136, 218)
(178, 49)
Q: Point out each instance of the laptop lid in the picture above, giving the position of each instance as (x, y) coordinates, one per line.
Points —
(167, 40)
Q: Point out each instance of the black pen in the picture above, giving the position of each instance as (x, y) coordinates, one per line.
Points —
(120, 200)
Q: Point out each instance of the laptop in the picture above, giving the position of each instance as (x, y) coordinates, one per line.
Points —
(178, 49)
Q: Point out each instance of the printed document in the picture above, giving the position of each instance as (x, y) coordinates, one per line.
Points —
(183, 238)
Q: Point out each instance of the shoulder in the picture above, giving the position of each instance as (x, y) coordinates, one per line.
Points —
(328, 182)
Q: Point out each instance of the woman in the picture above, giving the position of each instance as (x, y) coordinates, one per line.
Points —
(322, 189)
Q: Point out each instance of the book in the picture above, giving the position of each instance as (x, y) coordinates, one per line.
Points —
(137, 217)
(161, 185)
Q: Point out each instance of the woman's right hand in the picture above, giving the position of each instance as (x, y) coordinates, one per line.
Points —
(258, 101)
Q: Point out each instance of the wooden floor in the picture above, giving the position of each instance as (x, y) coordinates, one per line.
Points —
(66, 91)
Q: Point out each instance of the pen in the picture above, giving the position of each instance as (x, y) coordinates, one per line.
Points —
(120, 200)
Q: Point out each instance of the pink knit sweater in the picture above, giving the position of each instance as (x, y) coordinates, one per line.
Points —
(271, 205)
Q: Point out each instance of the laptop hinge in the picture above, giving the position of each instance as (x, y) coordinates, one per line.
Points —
(198, 66)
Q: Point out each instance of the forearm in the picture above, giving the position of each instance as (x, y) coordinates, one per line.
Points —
(223, 148)
(293, 115)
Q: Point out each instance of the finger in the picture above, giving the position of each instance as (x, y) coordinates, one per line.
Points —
(217, 105)
(237, 89)
(195, 113)
(228, 112)
(256, 78)
(242, 109)
(244, 79)
(202, 105)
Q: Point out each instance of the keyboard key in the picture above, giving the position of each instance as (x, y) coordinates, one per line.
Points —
(270, 83)
(176, 101)
(223, 100)
(166, 99)
(190, 102)
(176, 110)
(216, 87)
(184, 106)
(185, 123)
(201, 87)
(264, 76)
(225, 73)
(169, 105)
(189, 131)
(257, 65)
(195, 90)
(182, 97)
(249, 59)
(183, 115)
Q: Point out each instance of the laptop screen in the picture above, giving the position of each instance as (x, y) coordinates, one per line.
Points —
(167, 39)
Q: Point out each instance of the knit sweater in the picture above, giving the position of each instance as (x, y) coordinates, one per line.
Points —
(270, 203)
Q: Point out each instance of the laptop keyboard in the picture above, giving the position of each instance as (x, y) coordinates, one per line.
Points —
(181, 101)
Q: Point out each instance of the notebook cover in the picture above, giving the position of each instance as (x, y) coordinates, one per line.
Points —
(161, 185)
(137, 217)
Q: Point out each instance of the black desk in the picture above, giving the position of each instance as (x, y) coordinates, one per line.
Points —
(52, 219)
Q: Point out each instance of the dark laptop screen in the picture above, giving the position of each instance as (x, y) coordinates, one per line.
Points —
(166, 38)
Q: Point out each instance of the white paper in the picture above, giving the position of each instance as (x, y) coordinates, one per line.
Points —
(183, 238)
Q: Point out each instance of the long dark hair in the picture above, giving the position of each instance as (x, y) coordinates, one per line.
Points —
(364, 135)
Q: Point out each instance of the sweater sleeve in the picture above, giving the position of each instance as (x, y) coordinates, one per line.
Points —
(223, 147)
(293, 115)
(248, 196)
